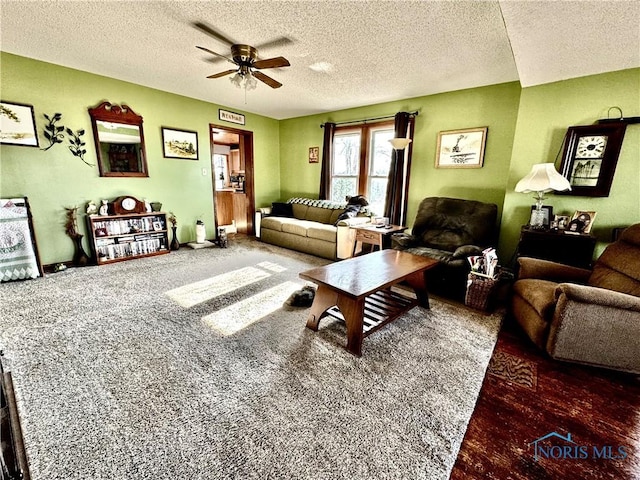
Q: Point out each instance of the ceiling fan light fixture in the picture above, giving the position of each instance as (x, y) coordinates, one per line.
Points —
(250, 83)
(237, 80)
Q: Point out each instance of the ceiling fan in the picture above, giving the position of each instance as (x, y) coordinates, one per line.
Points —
(247, 63)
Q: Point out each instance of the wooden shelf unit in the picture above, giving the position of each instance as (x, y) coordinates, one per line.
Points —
(115, 238)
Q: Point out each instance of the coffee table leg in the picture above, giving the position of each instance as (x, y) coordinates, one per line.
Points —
(353, 313)
(325, 298)
(417, 282)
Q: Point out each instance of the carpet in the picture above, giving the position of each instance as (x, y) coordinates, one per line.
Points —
(149, 369)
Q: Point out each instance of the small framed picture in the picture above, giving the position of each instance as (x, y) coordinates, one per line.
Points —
(314, 154)
(581, 222)
(17, 125)
(461, 148)
(561, 222)
(547, 211)
(179, 144)
(157, 226)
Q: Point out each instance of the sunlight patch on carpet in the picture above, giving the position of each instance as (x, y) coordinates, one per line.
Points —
(234, 318)
(274, 267)
(198, 292)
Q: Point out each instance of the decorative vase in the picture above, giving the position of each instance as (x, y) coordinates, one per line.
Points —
(156, 206)
(80, 258)
(200, 232)
(175, 244)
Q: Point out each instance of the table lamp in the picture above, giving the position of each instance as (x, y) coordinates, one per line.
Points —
(542, 178)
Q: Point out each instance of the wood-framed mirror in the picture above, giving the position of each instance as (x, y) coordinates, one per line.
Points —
(119, 140)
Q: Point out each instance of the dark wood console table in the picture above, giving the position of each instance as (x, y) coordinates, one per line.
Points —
(574, 250)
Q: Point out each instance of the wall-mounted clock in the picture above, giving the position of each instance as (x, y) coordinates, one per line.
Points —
(590, 156)
(127, 204)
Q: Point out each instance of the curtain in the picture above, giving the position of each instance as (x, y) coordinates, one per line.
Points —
(397, 187)
(327, 158)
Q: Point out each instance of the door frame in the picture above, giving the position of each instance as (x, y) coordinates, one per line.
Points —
(246, 148)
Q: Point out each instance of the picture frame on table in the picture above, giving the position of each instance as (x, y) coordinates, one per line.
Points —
(547, 211)
(182, 144)
(461, 148)
(581, 222)
(18, 125)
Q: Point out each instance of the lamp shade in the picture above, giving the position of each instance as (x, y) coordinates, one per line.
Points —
(543, 177)
(400, 143)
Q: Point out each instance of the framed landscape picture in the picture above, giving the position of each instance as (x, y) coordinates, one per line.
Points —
(461, 148)
(179, 144)
(17, 125)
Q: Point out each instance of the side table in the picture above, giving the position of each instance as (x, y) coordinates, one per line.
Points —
(376, 236)
(574, 250)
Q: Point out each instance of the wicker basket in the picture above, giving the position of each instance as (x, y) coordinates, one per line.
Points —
(480, 292)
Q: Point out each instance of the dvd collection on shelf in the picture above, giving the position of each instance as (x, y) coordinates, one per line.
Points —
(125, 237)
(129, 225)
(130, 246)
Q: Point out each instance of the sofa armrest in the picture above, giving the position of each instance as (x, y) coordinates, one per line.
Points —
(257, 222)
(402, 241)
(467, 251)
(346, 236)
(597, 327)
(546, 270)
(353, 221)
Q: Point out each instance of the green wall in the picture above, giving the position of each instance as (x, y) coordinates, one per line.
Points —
(56, 179)
(495, 106)
(526, 126)
(544, 114)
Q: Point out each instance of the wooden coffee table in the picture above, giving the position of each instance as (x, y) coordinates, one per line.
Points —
(360, 288)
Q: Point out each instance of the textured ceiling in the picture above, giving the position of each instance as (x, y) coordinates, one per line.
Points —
(376, 51)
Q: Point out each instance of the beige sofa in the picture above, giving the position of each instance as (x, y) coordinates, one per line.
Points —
(312, 228)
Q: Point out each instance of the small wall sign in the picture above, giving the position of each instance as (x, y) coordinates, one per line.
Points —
(232, 117)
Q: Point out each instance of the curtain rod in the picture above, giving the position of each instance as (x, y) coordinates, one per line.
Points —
(415, 114)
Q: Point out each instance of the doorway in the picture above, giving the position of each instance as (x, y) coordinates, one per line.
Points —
(233, 178)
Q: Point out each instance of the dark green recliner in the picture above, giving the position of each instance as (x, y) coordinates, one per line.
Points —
(449, 230)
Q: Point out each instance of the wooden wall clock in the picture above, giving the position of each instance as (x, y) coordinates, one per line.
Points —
(590, 157)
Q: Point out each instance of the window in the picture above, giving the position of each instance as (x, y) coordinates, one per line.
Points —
(361, 161)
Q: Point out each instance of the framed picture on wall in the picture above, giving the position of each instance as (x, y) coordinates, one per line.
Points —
(17, 125)
(314, 153)
(461, 148)
(590, 157)
(179, 144)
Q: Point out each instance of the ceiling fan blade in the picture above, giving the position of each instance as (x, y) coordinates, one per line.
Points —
(278, 42)
(272, 63)
(203, 27)
(222, 74)
(216, 54)
(268, 80)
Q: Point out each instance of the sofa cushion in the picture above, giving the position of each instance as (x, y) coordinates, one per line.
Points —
(297, 227)
(273, 223)
(335, 213)
(539, 294)
(318, 214)
(617, 268)
(322, 231)
(299, 210)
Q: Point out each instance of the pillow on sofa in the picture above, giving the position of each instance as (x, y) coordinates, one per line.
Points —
(281, 209)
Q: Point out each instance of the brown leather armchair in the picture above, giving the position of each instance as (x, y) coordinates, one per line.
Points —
(450, 230)
(583, 316)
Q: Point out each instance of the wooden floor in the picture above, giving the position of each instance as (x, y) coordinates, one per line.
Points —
(526, 395)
